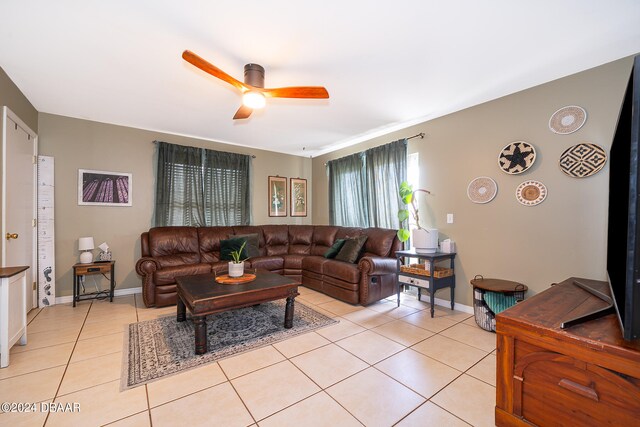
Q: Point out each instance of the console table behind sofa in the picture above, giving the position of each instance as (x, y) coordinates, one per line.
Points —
(291, 250)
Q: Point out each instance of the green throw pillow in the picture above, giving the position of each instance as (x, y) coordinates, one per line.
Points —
(334, 249)
(230, 245)
(351, 249)
(252, 244)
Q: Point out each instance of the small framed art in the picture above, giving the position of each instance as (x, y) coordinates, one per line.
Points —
(277, 196)
(101, 188)
(298, 190)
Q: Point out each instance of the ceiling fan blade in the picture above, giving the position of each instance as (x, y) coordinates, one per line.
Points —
(243, 112)
(296, 92)
(207, 67)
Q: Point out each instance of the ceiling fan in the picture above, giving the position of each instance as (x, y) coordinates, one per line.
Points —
(254, 93)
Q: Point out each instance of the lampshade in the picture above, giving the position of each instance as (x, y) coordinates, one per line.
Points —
(85, 243)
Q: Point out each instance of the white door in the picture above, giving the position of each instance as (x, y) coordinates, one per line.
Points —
(19, 198)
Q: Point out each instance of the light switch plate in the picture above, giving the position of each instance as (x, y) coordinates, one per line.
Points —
(450, 218)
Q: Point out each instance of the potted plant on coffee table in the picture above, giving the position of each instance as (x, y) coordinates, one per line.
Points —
(236, 267)
(424, 240)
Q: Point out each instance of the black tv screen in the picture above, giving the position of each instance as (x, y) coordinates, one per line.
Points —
(623, 246)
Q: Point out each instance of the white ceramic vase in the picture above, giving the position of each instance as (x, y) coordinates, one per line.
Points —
(236, 269)
(425, 241)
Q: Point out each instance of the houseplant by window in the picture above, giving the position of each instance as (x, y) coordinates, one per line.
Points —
(424, 240)
(236, 267)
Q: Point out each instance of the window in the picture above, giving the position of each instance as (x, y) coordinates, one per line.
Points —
(200, 187)
(363, 187)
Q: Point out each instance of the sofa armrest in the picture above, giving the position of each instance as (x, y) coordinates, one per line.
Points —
(378, 279)
(145, 267)
(377, 266)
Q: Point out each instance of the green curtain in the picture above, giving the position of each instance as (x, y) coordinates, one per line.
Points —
(200, 187)
(386, 168)
(348, 202)
(363, 187)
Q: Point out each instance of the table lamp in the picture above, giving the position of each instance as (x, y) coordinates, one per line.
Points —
(86, 245)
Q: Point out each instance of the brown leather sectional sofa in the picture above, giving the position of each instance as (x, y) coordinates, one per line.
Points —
(291, 250)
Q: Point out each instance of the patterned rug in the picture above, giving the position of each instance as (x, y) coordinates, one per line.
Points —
(154, 349)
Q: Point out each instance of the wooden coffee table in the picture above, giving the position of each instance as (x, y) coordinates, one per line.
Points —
(202, 295)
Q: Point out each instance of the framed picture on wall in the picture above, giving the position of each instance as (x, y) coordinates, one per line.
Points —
(298, 190)
(277, 196)
(101, 188)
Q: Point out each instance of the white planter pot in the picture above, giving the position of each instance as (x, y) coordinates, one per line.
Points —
(425, 241)
(236, 270)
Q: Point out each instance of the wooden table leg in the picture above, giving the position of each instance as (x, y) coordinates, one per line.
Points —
(200, 325)
(288, 313)
(182, 310)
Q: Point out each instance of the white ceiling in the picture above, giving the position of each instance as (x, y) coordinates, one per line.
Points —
(387, 65)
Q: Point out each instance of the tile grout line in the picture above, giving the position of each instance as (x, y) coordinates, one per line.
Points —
(69, 361)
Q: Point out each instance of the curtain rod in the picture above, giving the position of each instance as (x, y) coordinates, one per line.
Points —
(419, 135)
(253, 156)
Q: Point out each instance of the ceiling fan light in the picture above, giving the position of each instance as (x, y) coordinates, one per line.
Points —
(254, 100)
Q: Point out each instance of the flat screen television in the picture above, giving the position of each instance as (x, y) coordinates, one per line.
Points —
(623, 242)
(623, 246)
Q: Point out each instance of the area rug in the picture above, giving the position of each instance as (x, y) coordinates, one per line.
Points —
(154, 349)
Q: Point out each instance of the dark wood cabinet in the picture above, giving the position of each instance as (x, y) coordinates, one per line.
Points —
(547, 376)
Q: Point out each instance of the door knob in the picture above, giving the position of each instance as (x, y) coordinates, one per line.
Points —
(12, 236)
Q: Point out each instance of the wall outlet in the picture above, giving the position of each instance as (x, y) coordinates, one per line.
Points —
(449, 218)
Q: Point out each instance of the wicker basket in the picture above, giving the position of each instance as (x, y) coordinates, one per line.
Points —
(485, 317)
(420, 270)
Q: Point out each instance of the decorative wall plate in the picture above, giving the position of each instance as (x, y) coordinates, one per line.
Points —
(516, 157)
(567, 119)
(582, 160)
(482, 190)
(531, 193)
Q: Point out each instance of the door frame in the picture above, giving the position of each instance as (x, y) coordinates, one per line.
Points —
(33, 275)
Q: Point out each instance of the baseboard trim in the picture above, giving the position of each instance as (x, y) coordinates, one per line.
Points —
(116, 293)
(456, 305)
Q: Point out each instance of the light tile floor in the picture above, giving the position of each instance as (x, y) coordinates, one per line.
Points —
(382, 365)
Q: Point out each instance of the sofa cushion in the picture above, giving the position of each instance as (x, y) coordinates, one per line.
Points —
(323, 238)
(220, 267)
(250, 229)
(209, 238)
(276, 239)
(293, 261)
(252, 244)
(174, 246)
(313, 263)
(342, 270)
(300, 239)
(379, 242)
(351, 249)
(334, 249)
(233, 245)
(167, 275)
(348, 232)
(271, 263)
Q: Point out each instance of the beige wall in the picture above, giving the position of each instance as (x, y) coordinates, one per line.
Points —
(562, 237)
(81, 144)
(13, 98)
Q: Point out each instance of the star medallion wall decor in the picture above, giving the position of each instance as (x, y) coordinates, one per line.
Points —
(582, 160)
(516, 157)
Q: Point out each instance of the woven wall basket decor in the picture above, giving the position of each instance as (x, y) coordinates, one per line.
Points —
(516, 157)
(582, 160)
(531, 193)
(567, 119)
(482, 190)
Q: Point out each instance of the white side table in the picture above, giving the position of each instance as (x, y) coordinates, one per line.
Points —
(13, 310)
